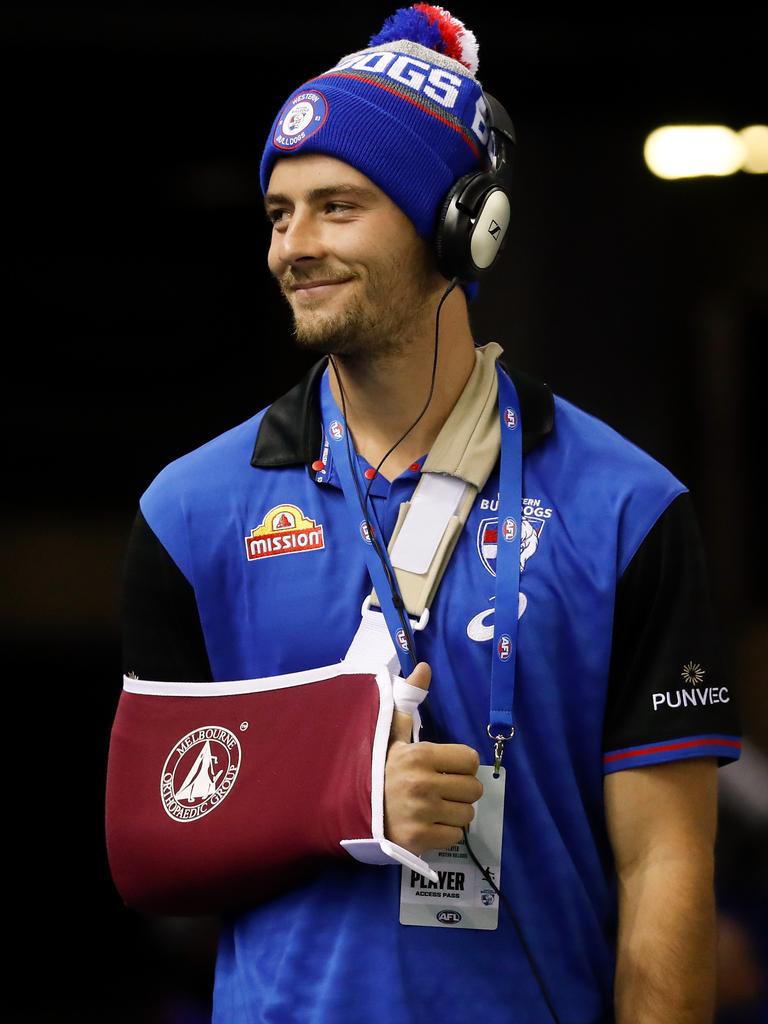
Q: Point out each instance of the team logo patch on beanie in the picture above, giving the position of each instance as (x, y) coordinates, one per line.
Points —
(305, 114)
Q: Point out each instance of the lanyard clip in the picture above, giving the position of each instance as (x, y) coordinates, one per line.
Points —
(498, 747)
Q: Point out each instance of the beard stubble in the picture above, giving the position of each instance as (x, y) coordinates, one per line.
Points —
(378, 319)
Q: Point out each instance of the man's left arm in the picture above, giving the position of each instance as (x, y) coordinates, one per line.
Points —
(671, 717)
(662, 822)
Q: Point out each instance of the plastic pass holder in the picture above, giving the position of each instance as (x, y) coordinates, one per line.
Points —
(461, 897)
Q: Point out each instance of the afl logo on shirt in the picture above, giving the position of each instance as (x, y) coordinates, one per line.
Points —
(285, 530)
(199, 772)
(509, 529)
(480, 626)
(488, 535)
(303, 116)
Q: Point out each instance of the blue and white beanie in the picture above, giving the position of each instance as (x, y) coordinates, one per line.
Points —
(407, 112)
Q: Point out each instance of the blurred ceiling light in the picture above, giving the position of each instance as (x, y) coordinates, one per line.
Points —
(755, 139)
(689, 151)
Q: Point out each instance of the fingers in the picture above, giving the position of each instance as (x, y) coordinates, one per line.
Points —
(465, 789)
(402, 724)
(421, 676)
(451, 813)
(426, 807)
(443, 836)
(456, 758)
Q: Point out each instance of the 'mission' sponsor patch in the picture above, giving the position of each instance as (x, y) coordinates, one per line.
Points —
(285, 530)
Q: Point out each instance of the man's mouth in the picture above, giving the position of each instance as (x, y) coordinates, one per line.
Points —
(317, 289)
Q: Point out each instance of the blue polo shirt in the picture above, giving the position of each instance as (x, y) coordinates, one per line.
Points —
(618, 666)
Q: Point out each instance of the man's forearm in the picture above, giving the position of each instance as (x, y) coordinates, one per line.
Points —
(666, 950)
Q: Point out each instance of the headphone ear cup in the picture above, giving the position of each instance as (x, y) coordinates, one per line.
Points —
(452, 231)
(489, 229)
(468, 239)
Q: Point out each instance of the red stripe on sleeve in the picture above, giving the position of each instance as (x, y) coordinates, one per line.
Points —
(670, 746)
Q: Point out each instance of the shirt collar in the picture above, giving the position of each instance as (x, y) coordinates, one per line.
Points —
(291, 430)
(327, 472)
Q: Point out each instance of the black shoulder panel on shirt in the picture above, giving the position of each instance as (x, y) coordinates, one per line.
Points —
(667, 676)
(162, 633)
(291, 429)
(537, 405)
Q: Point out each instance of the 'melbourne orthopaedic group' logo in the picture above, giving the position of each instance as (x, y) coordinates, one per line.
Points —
(199, 772)
(305, 113)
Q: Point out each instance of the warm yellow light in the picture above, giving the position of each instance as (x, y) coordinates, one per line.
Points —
(688, 150)
(755, 139)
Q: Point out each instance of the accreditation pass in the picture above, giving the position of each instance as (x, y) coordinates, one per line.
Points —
(462, 898)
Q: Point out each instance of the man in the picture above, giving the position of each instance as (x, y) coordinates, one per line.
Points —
(620, 709)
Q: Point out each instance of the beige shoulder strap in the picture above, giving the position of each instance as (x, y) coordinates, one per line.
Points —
(456, 469)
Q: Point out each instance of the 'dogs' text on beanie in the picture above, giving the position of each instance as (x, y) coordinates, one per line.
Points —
(407, 112)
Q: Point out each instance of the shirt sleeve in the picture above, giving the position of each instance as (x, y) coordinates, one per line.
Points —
(669, 697)
(162, 636)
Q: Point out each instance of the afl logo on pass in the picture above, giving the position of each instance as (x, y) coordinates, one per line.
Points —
(199, 772)
(305, 114)
(510, 418)
(448, 916)
(402, 639)
(509, 528)
(336, 430)
(504, 647)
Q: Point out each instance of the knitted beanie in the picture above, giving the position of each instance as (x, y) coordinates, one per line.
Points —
(407, 112)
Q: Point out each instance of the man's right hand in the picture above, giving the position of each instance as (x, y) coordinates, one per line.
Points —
(429, 788)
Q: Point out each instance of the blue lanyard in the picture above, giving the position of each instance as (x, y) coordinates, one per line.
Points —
(509, 529)
(503, 662)
(402, 635)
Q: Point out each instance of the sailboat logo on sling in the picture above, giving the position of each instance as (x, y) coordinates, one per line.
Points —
(199, 772)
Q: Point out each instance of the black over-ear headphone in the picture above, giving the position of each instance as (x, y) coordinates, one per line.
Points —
(474, 218)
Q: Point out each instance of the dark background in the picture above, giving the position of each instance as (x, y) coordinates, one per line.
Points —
(141, 321)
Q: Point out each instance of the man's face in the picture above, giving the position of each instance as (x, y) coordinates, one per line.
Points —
(332, 223)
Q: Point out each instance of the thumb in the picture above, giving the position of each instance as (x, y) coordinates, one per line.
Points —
(402, 724)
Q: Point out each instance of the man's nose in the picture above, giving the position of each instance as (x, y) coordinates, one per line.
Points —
(301, 237)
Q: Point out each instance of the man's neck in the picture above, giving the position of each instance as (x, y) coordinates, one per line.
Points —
(383, 398)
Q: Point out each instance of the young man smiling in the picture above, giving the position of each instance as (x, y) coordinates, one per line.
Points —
(606, 827)
(380, 324)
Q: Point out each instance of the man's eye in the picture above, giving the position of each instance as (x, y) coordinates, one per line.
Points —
(274, 216)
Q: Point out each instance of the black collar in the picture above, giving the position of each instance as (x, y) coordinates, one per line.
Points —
(291, 430)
